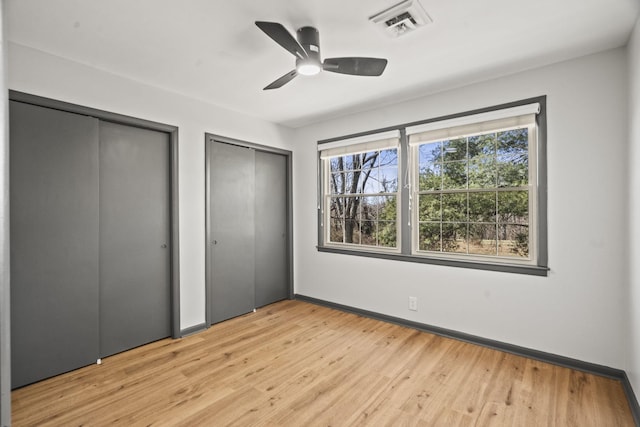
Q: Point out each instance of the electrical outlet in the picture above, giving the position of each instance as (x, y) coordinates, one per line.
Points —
(413, 303)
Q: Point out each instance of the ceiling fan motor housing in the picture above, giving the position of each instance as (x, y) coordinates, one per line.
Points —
(309, 39)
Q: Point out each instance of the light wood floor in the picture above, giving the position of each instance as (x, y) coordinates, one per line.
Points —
(298, 364)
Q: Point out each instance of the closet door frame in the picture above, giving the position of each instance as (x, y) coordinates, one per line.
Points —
(172, 131)
(209, 140)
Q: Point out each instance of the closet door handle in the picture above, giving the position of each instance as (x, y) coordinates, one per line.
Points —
(163, 246)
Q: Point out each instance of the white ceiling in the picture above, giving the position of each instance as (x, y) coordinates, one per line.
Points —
(211, 50)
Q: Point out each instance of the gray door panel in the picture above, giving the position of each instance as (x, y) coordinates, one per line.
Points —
(232, 186)
(54, 242)
(272, 272)
(134, 237)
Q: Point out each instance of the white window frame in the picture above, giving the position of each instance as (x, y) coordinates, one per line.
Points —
(350, 146)
(494, 121)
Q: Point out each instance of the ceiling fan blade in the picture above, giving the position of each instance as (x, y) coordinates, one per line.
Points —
(355, 66)
(283, 37)
(282, 80)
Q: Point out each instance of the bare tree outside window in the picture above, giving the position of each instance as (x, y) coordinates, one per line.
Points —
(363, 198)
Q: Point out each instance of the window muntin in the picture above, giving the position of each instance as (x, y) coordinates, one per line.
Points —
(361, 194)
(473, 194)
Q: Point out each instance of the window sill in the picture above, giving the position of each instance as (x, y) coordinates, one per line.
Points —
(531, 270)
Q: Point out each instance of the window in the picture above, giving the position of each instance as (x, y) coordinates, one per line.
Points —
(470, 190)
(361, 192)
(471, 186)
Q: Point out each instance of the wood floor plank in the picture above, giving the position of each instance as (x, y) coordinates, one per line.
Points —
(295, 363)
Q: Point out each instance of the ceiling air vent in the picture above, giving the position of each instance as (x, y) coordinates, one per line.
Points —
(402, 18)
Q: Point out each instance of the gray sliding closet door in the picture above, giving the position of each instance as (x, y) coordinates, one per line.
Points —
(272, 267)
(54, 242)
(232, 210)
(135, 305)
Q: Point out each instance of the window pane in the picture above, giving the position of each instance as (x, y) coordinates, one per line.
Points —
(368, 160)
(351, 231)
(335, 164)
(353, 208)
(430, 177)
(348, 162)
(388, 158)
(368, 233)
(513, 207)
(354, 182)
(482, 207)
(483, 173)
(482, 147)
(482, 239)
(337, 181)
(513, 158)
(430, 153)
(369, 208)
(366, 177)
(429, 239)
(387, 234)
(454, 237)
(370, 182)
(513, 175)
(513, 240)
(337, 205)
(454, 175)
(336, 230)
(344, 182)
(454, 207)
(388, 180)
(512, 144)
(387, 208)
(455, 149)
(429, 207)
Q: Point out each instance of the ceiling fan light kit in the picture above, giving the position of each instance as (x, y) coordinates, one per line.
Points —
(309, 39)
(306, 49)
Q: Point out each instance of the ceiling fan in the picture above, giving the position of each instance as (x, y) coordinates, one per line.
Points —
(306, 49)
